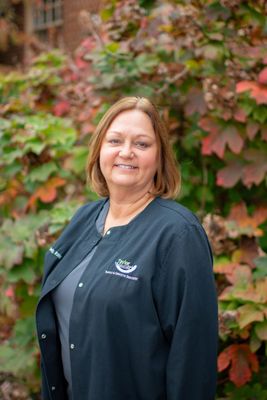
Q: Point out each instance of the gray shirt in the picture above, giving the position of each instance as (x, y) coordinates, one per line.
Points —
(63, 296)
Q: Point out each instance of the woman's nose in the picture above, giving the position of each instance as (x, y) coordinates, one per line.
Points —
(126, 152)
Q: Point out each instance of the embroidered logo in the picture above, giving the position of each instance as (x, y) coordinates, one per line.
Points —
(124, 266)
(55, 252)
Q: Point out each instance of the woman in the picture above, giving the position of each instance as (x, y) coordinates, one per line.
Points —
(128, 306)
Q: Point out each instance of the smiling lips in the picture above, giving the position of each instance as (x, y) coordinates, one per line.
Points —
(125, 166)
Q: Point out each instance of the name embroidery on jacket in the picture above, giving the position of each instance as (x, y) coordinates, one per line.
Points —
(55, 252)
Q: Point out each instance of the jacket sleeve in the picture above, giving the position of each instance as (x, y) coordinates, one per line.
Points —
(187, 308)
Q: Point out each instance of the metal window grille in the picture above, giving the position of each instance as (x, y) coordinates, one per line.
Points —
(46, 14)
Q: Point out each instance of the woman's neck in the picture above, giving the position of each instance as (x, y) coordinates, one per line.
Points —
(123, 210)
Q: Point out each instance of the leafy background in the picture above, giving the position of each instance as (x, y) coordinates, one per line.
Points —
(204, 63)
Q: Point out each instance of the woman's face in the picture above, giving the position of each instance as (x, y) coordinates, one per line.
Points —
(129, 153)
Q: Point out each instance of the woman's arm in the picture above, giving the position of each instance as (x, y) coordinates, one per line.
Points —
(187, 306)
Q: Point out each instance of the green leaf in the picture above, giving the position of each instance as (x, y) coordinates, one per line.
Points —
(24, 271)
(78, 159)
(35, 145)
(260, 114)
(113, 47)
(10, 254)
(261, 330)
(261, 268)
(249, 313)
(146, 63)
(42, 173)
(60, 215)
(254, 342)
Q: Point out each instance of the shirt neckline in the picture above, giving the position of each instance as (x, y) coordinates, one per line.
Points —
(103, 213)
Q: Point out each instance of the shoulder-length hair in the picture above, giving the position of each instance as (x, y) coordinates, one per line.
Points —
(167, 179)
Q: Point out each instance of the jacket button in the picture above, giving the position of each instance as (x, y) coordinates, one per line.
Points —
(108, 232)
(72, 346)
(53, 388)
(43, 336)
(80, 284)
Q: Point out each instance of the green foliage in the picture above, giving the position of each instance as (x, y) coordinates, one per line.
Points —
(254, 392)
(204, 65)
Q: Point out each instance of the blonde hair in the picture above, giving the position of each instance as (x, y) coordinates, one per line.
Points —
(167, 179)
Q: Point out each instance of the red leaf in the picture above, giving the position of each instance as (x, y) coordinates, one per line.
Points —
(144, 23)
(244, 86)
(247, 222)
(88, 44)
(47, 193)
(223, 361)
(209, 125)
(233, 138)
(240, 115)
(80, 63)
(262, 78)
(207, 144)
(10, 292)
(61, 108)
(229, 176)
(254, 173)
(242, 360)
(228, 136)
(195, 102)
(258, 92)
(252, 129)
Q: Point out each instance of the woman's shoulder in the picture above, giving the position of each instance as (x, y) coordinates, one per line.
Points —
(175, 212)
(88, 208)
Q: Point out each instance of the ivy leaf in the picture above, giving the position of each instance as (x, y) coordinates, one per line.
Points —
(195, 102)
(252, 129)
(248, 313)
(255, 293)
(61, 108)
(261, 330)
(218, 138)
(226, 267)
(23, 272)
(13, 189)
(240, 115)
(77, 161)
(229, 176)
(262, 78)
(242, 363)
(247, 252)
(254, 342)
(254, 173)
(257, 91)
(146, 63)
(240, 223)
(10, 254)
(48, 192)
(261, 268)
(261, 290)
(42, 173)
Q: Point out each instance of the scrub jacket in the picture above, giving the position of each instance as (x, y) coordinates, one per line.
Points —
(143, 324)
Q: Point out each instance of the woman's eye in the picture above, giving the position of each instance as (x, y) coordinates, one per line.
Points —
(114, 141)
(142, 145)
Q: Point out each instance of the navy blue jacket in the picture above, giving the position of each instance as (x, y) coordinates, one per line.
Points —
(144, 321)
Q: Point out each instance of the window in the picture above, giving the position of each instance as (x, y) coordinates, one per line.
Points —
(47, 14)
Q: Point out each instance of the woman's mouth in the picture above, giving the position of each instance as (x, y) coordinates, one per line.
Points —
(125, 166)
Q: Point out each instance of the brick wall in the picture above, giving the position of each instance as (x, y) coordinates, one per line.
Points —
(72, 30)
